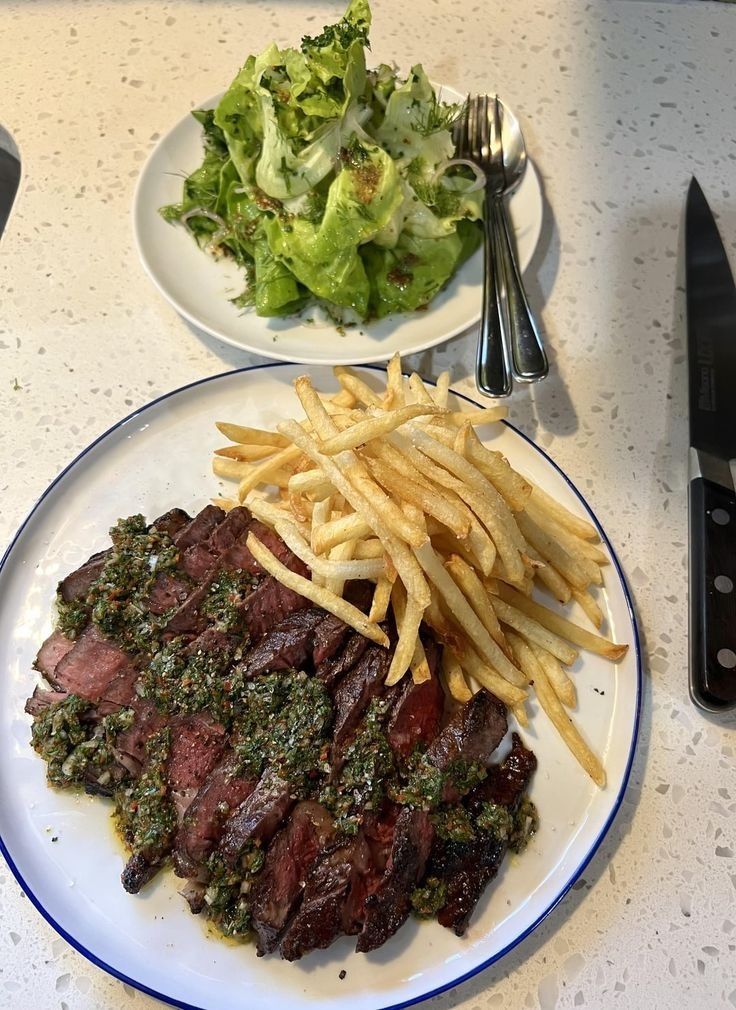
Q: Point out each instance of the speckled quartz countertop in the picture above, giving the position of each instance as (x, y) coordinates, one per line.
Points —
(622, 102)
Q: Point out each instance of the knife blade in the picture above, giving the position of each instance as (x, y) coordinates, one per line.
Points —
(9, 176)
(711, 336)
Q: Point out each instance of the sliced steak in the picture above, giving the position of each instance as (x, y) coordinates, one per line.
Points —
(357, 689)
(416, 714)
(279, 886)
(267, 604)
(171, 522)
(468, 867)
(472, 734)
(188, 620)
(388, 907)
(257, 817)
(197, 743)
(168, 591)
(203, 556)
(130, 746)
(51, 653)
(328, 905)
(332, 632)
(331, 670)
(200, 527)
(205, 818)
(288, 645)
(96, 668)
(76, 585)
(41, 699)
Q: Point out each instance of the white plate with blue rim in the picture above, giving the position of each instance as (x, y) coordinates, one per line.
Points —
(200, 287)
(61, 846)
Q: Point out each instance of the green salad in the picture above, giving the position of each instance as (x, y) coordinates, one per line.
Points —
(330, 184)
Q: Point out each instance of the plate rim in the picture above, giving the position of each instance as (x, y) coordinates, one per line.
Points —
(247, 346)
(576, 873)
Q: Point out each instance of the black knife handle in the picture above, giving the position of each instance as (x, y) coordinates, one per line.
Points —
(712, 595)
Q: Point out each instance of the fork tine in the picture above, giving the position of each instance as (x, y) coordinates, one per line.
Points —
(485, 129)
(497, 141)
(475, 140)
(460, 129)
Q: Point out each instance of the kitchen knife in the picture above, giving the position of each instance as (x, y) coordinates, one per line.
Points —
(9, 176)
(711, 332)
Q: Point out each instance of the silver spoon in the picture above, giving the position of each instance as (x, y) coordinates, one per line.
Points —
(528, 358)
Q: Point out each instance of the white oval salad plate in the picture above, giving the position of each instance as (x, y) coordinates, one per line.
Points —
(200, 287)
(62, 847)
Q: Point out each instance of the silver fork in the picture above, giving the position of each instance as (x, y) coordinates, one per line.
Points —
(476, 142)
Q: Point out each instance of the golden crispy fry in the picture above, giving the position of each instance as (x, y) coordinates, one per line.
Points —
(463, 615)
(561, 626)
(360, 390)
(550, 578)
(401, 557)
(561, 683)
(401, 484)
(495, 467)
(226, 504)
(326, 567)
(394, 396)
(262, 473)
(337, 531)
(580, 527)
(420, 391)
(477, 596)
(482, 498)
(473, 665)
(321, 512)
(569, 567)
(589, 607)
(453, 677)
(555, 711)
(408, 616)
(311, 482)
(246, 453)
(269, 512)
(342, 399)
(381, 599)
(440, 393)
(534, 631)
(419, 666)
(365, 549)
(373, 427)
(251, 436)
(341, 553)
(587, 555)
(484, 415)
(317, 594)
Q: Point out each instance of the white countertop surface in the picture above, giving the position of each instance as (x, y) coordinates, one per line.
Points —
(621, 101)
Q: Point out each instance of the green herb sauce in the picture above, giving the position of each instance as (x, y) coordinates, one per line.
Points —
(228, 893)
(429, 899)
(526, 824)
(145, 811)
(77, 750)
(181, 682)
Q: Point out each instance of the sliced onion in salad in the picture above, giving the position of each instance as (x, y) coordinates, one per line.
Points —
(452, 183)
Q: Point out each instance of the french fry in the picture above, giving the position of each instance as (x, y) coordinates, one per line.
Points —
(553, 552)
(381, 600)
(394, 383)
(463, 614)
(588, 556)
(402, 485)
(550, 577)
(320, 513)
(246, 453)
(420, 391)
(337, 531)
(419, 666)
(226, 504)
(473, 664)
(561, 683)
(441, 391)
(317, 594)
(408, 616)
(366, 549)
(310, 482)
(402, 558)
(589, 607)
(534, 631)
(484, 415)
(453, 677)
(555, 710)
(580, 527)
(326, 567)
(251, 436)
(262, 473)
(475, 593)
(360, 390)
(374, 427)
(515, 489)
(341, 553)
(561, 626)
